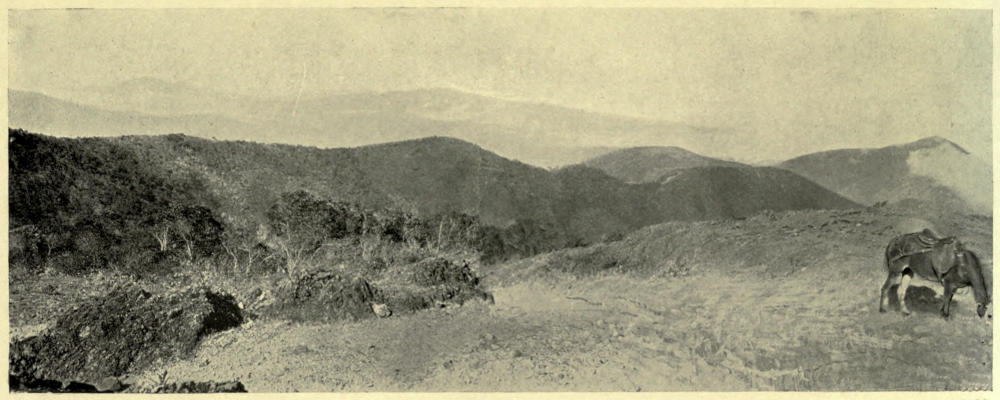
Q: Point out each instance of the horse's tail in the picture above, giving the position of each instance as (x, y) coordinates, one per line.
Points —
(977, 272)
(885, 260)
(890, 252)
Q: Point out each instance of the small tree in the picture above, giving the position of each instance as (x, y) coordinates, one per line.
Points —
(240, 242)
(300, 223)
(192, 230)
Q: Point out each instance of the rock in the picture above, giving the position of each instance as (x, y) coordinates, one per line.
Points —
(120, 332)
(256, 294)
(202, 387)
(109, 384)
(78, 387)
(381, 310)
(26, 331)
(30, 384)
(230, 387)
(34, 385)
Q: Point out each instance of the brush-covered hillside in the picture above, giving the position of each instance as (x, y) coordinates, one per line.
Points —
(425, 176)
(239, 182)
(934, 171)
(651, 164)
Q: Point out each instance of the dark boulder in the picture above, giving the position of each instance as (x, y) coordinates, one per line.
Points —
(121, 332)
(36, 385)
(202, 387)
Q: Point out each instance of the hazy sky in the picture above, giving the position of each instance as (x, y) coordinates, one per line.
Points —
(797, 80)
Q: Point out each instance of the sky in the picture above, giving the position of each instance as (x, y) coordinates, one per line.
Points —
(795, 80)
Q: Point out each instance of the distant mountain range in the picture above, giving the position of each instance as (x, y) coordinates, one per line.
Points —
(933, 170)
(38, 112)
(540, 134)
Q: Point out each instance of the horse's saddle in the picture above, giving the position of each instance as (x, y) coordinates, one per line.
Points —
(922, 242)
(928, 237)
(917, 242)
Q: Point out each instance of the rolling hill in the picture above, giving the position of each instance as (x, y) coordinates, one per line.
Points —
(933, 171)
(438, 175)
(715, 192)
(650, 164)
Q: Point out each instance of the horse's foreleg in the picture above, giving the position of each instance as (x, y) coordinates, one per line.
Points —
(904, 282)
(883, 300)
(946, 299)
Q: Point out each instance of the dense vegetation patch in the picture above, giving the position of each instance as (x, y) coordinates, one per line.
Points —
(123, 331)
(80, 205)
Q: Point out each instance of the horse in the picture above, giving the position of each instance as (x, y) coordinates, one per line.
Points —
(941, 260)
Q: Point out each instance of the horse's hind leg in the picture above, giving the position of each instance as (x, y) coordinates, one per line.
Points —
(946, 299)
(903, 284)
(890, 280)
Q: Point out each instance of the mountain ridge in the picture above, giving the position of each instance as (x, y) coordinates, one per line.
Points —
(436, 175)
(932, 170)
(651, 163)
(538, 133)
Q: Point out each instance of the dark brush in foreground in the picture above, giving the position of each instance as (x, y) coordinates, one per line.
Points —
(113, 385)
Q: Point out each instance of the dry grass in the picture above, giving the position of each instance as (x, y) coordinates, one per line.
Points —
(776, 302)
(779, 302)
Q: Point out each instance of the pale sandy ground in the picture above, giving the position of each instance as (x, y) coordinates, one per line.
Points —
(706, 331)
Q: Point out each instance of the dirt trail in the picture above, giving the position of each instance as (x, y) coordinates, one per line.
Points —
(620, 333)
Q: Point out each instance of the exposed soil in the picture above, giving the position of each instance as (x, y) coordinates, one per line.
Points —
(707, 332)
(775, 302)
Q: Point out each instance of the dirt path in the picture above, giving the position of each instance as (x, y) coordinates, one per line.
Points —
(619, 333)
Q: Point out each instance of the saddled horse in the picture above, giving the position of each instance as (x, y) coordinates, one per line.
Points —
(942, 260)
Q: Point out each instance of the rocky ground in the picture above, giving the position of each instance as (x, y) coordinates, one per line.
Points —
(649, 313)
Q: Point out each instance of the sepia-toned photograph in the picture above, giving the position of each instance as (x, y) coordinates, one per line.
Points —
(500, 199)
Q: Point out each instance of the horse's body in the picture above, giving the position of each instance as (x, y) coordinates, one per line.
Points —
(941, 260)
